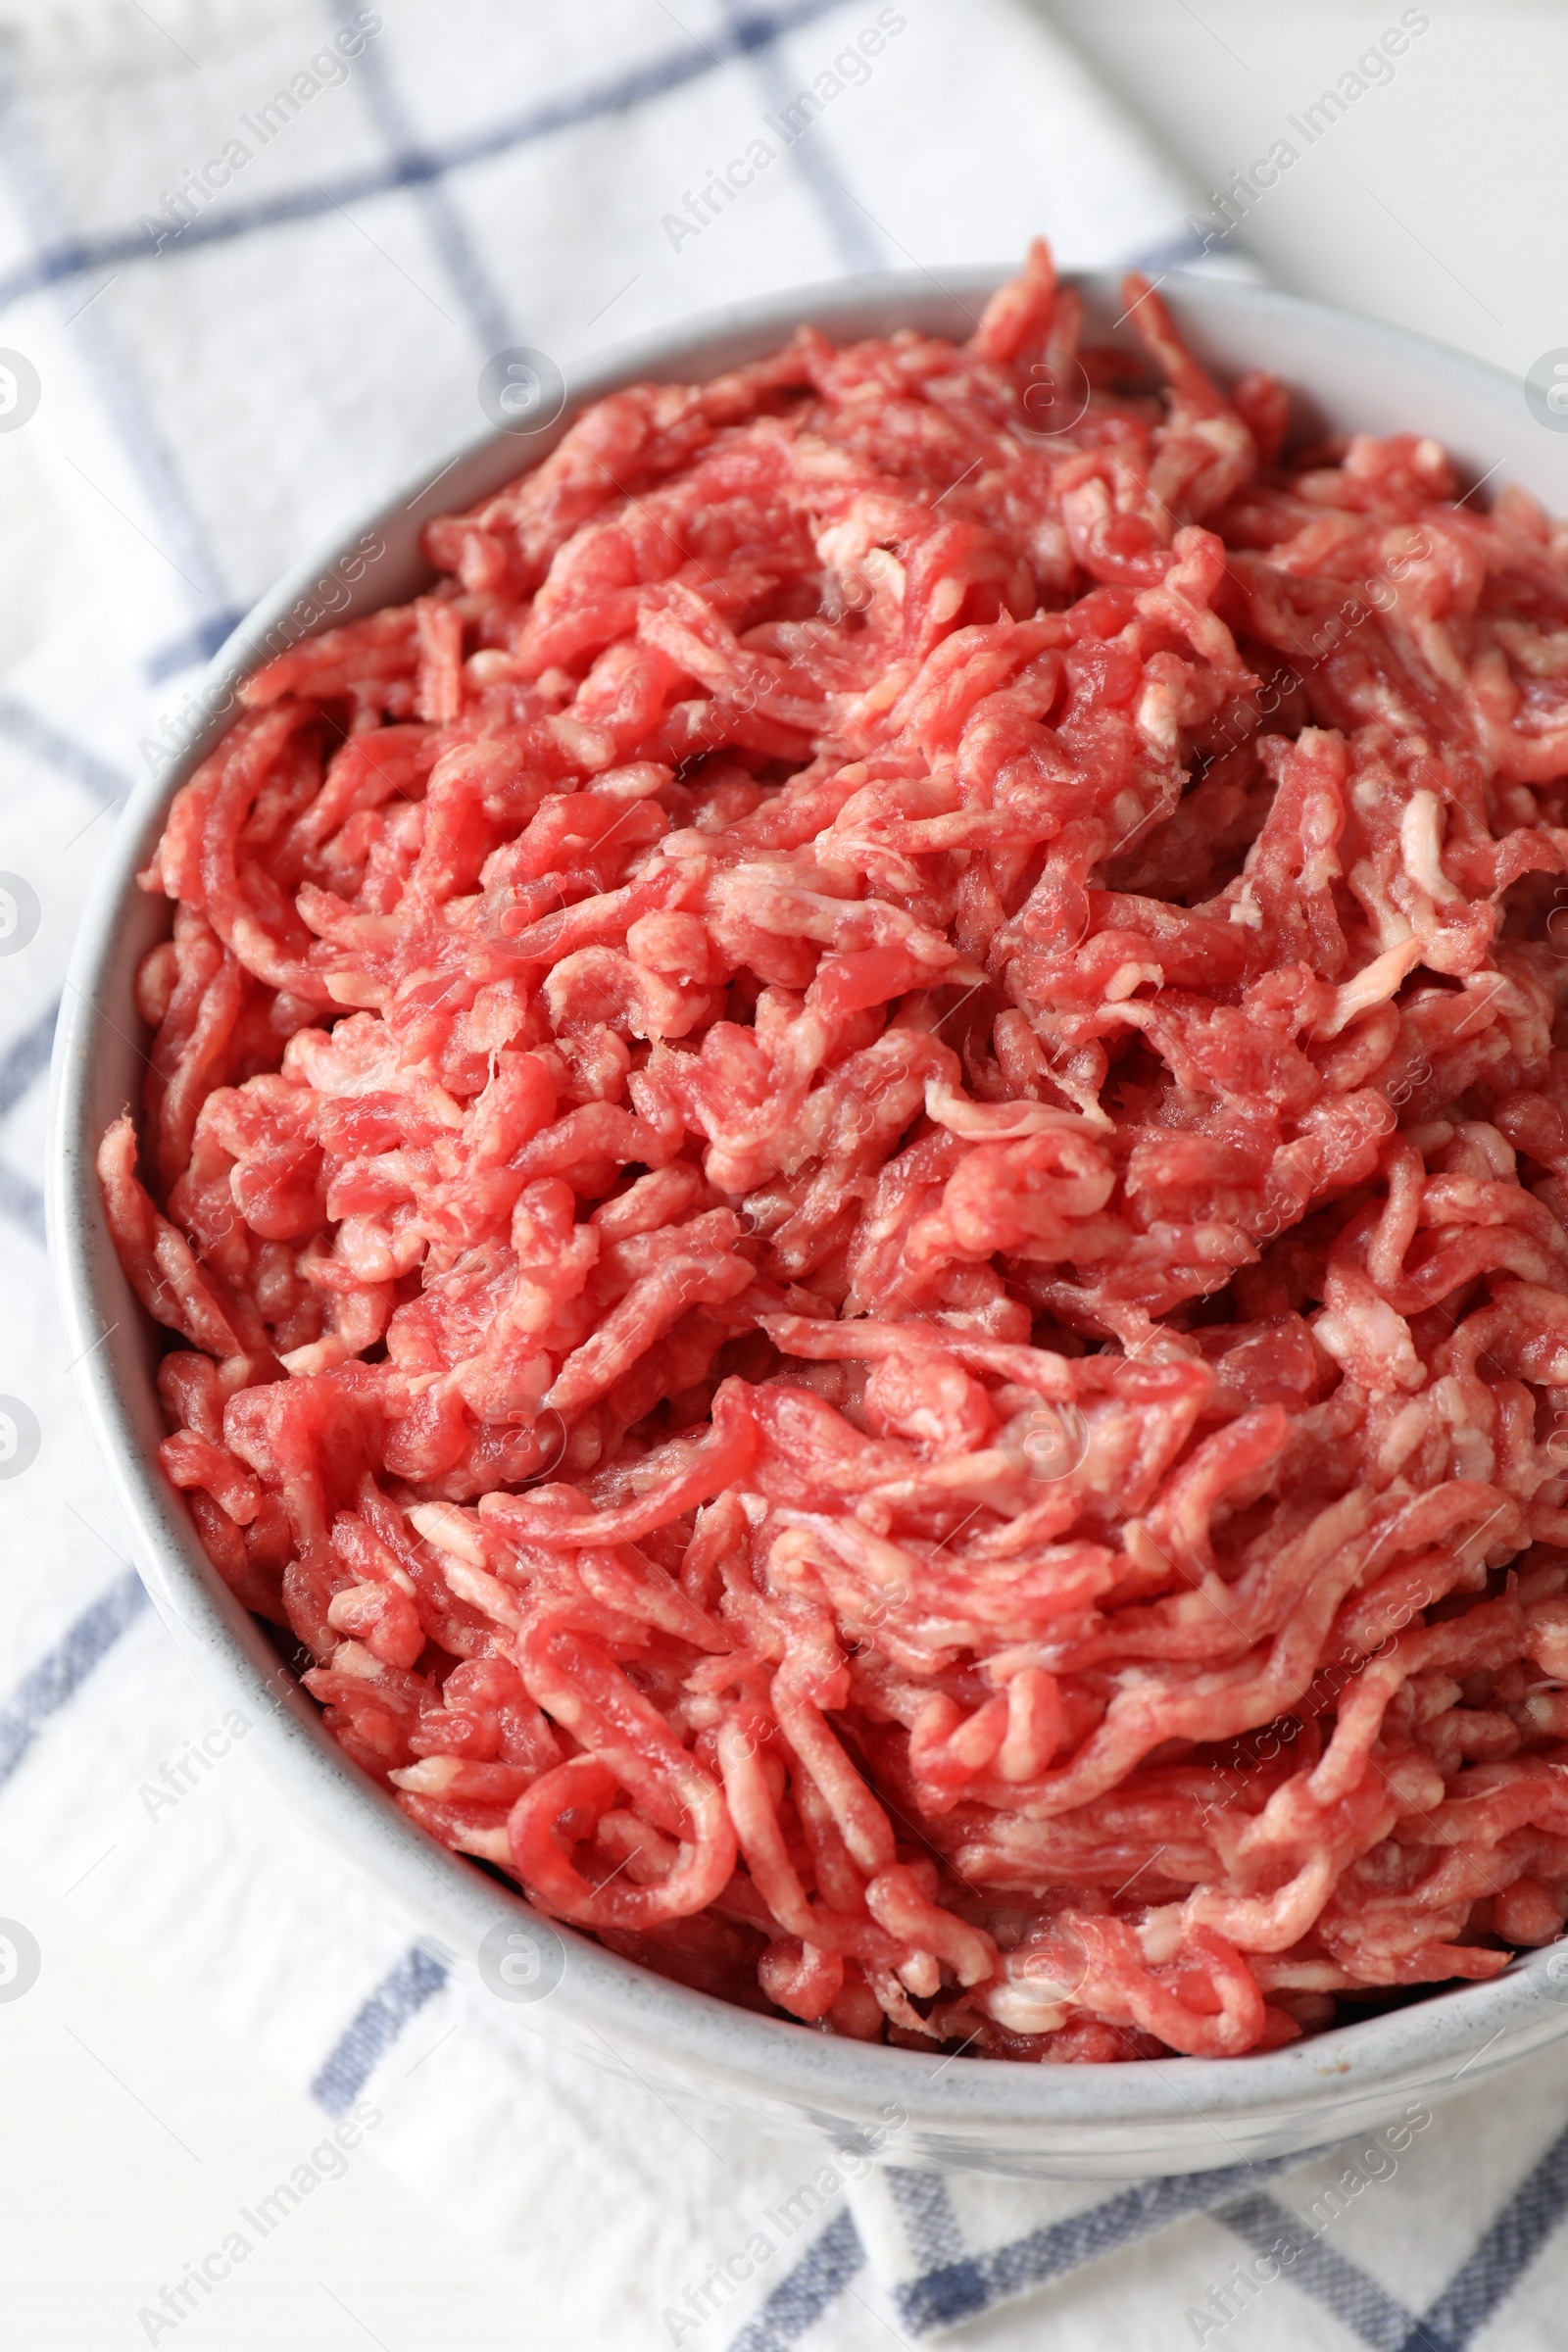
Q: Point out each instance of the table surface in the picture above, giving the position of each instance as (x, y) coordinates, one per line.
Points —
(1434, 201)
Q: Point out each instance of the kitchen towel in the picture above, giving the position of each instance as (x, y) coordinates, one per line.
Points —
(254, 259)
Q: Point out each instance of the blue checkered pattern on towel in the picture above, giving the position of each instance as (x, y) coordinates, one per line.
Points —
(936, 2281)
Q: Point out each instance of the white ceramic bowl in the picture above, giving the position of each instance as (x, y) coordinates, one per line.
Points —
(1112, 2121)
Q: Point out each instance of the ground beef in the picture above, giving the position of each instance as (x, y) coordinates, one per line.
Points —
(859, 1155)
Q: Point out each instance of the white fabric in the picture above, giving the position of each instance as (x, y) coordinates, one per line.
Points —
(215, 400)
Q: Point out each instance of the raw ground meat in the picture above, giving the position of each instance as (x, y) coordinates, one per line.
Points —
(860, 1157)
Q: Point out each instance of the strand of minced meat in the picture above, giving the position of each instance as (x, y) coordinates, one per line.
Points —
(860, 1154)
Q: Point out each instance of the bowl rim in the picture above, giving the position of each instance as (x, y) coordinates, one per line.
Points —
(769, 2067)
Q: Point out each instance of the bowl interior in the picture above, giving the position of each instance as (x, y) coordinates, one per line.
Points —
(1183, 2115)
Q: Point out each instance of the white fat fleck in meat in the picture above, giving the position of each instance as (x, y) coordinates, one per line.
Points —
(1128, 976)
(449, 1530)
(1024, 2008)
(1372, 986)
(1158, 708)
(1421, 847)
